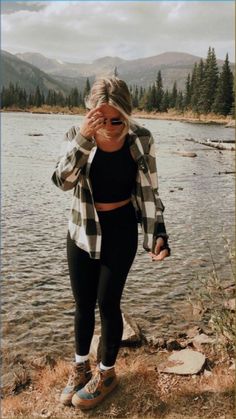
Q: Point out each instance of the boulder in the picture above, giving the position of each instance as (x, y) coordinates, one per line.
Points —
(183, 362)
(199, 340)
(193, 331)
(95, 347)
(173, 344)
(131, 337)
(131, 334)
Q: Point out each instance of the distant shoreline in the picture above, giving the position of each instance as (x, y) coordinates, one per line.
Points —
(171, 115)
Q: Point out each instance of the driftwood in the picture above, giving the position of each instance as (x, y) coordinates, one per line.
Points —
(220, 145)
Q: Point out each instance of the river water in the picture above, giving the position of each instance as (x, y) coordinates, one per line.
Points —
(37, 303)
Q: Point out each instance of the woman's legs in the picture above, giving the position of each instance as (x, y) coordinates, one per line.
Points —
(84, 275)
(119, 246)
(103, 279)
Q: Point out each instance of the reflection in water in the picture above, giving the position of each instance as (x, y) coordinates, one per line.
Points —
(37, 300)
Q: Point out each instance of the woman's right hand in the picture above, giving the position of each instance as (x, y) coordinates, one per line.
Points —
(92, 122)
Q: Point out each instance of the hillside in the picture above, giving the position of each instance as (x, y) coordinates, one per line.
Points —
(27, 75)
(141, 72)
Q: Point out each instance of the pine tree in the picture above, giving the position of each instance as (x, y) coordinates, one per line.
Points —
(146, 101)
(38, 98)
(86, 89)
(115, 72)
(30, 99)
(187, 94)
(74, 97)
(196, 87)
(173, 95)
(179, 101)
(165, 102)
(153, 98)
(135, 96)
(209, 84)
(159, 92)
(224, 94)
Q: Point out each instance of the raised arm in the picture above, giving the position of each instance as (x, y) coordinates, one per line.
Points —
(71, 160)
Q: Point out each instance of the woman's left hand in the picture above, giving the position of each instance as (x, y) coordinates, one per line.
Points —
(158, 253)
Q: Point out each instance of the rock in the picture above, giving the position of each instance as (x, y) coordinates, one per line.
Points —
(182, 335)
(45, 413)
(131, 337)
(183, 362)
(186, 153)
(201, 339)
(191, 333)
(95, 347)
(131, 333)
(157, 342)
(207, 373)
(173, 344)
(232, 366)
(186, 342)
(230, 304)
(35, 134)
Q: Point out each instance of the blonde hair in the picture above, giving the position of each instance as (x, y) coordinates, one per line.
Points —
(114, 92)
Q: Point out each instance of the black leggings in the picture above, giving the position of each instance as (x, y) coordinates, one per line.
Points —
(103, 280)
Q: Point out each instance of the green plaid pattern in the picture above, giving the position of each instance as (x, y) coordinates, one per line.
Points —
(72, 171)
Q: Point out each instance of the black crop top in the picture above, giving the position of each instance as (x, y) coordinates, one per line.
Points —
(113, 174)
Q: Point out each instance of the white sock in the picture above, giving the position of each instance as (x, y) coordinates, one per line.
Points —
(81, 358)
(103, 367)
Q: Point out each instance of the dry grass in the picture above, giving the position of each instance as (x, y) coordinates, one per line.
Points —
(143, 392)
(172, 114)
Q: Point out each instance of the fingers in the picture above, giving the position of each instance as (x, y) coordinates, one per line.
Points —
(94, 111)
(95, 122)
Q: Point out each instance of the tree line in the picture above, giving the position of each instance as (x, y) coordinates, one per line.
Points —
(206, 90)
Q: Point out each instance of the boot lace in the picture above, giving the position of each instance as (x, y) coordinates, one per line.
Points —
(76, 374)
(92, 385)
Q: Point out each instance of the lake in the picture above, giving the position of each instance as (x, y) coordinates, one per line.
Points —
(37, 303)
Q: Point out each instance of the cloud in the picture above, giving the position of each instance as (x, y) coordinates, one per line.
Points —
(84, 31)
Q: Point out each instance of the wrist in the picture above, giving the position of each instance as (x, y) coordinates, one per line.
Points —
(86, 135)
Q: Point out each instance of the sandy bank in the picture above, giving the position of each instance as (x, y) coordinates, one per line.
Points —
(171, 115)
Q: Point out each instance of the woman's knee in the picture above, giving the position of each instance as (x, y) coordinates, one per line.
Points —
(84, 310)
(109, 307)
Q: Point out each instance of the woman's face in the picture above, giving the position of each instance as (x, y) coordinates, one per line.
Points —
(110, 113)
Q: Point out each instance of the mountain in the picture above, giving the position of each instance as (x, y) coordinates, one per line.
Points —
(27, 75)
(142, 71)
(32, 69)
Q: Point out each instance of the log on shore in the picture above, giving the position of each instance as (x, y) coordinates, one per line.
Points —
(220, 145)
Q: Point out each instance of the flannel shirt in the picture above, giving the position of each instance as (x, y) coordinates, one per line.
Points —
(72, 171)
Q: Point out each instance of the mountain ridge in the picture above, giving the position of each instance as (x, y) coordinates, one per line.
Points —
(141, 71)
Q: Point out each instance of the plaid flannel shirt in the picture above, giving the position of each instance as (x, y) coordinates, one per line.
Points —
(72, 171)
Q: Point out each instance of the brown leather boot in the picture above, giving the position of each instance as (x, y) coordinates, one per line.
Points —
(101, 384)
(79, 376)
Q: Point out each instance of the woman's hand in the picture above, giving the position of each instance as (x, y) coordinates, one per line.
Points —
(92, 122)
(158, 253)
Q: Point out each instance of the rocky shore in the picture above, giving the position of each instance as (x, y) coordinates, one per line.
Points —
(191, 375)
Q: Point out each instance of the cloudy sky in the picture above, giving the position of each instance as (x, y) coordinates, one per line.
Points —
(81, 31)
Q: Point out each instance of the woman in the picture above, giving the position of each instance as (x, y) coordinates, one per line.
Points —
(110, 163)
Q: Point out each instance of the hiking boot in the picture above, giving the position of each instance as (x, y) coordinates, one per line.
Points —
(80, 374)
(101, 384)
